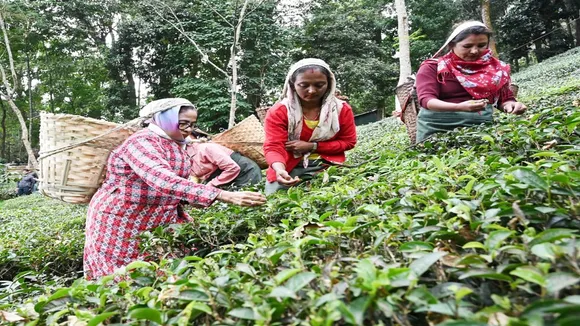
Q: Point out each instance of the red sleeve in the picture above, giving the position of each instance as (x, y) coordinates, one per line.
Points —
(147, 160)
(276, 128)
(506, 95)
(345, 139)
(426, 83)
(230, 170)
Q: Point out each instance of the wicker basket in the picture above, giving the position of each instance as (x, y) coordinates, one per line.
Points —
(247, 138)
(74, 173)
(409, 104)
(515, 88)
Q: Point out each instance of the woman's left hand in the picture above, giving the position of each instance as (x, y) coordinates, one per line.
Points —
(299, 146)
(514, 108)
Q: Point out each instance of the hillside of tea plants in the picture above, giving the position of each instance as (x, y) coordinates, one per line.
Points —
(475, 227)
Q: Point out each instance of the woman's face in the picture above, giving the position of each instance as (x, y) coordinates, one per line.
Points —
(311, 85)
(187, 121)
(472, 47)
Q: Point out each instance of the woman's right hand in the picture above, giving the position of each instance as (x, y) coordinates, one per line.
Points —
(284, 178)
(472, 105)
(242, 198)
(282, 175)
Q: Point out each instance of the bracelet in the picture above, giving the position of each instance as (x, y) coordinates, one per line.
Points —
(315, 147)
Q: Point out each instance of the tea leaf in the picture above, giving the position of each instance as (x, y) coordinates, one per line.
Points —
(421, 265)
(552, 235)
(531, 178)
(146, 314)
(297, 282)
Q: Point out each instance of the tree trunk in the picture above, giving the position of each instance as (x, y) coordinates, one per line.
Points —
(404, 50)
(404, 46)
(486, 18)
(24, 135)
(577, 25)
(50, 87)
(30, 109)
(3, 126)
(139, 94)
(131, 91)
(527, 60)
(234, 63)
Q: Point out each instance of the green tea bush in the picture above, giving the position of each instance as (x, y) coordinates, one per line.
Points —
(557, 75)
(478, 226)
(7, 191)
(40, 234)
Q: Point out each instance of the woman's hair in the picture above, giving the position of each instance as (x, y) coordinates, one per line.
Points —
(302, 70)
(475, 30)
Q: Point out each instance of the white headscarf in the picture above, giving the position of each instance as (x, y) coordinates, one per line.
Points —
(328, 124)
(163, 116)
(456, 31)
(161, 105)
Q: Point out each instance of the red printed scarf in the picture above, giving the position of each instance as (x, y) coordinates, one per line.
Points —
(484, 78)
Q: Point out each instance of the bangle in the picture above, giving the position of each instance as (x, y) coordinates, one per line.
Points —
(315, 147)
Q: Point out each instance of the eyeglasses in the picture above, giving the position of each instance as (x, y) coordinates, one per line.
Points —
(183, 125)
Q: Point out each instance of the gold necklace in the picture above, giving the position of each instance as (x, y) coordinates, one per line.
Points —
(307, 118)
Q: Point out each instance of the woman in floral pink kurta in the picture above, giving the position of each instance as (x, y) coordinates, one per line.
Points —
(145, 183)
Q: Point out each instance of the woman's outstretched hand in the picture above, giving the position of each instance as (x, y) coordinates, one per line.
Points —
(472, 105)
(514, 107)
(242, 198)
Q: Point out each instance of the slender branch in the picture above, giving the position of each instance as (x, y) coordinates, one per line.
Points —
(8, 96)
(7, 44)
(234, 64)
(255, 7)
(217, 13)
(205, 57)
(5, 82)
(24, 137)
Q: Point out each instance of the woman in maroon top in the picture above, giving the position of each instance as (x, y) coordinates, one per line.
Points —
(307, 128)
(461, 88)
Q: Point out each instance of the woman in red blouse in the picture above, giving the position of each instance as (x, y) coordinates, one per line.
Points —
(221, 167)
(146, 183)
(308, 128)
(461, 87)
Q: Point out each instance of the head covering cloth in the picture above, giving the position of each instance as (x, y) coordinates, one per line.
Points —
(163, 116)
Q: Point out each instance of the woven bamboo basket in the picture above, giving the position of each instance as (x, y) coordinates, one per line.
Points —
(247, 138)
(515, 88)
(72, 165)
(409, 103)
